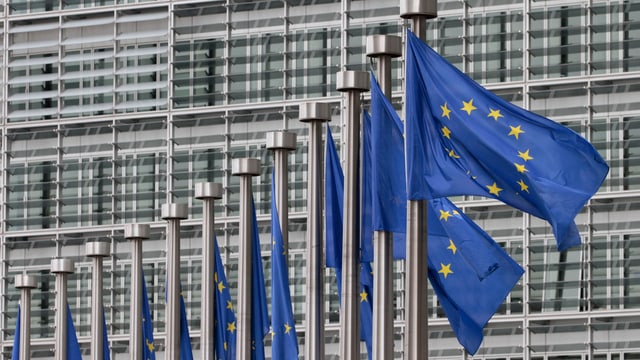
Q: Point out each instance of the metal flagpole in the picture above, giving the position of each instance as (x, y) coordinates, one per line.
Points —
(314, 114)
(97, 250)
(281, 142)
(245, 168)
(136, 233)
(383, 47)
(173, 213)
(61, 268)
(208, 192)
(25, 283)
(416, 345)
(353, 83)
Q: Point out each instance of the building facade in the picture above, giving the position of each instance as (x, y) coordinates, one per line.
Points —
(111, 108)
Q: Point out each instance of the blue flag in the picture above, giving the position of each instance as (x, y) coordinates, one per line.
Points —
(259, 313)
(185, 341)
(470, 273)
(148, 348)
(283, 330)
(225, 317)
(73, 347)
(15, 353)
(366, 306)
(454, 241)
(333, 198)
(389, 195)
(366, 232)
(464, 140)
(106, 354)
(334, 208)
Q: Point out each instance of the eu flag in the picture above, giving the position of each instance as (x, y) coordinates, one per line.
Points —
(389, 195)
(185, 340)
(485, 270)
(334, 208)
(73, 347)
(225, 317)
(470, 273)
(283, 330)
(464, 140)
(366, 306)
(15, 353)
(148, 348)
(333, 203)
(259, 315)
(106, 354)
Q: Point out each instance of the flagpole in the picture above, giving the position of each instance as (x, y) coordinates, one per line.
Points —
(173, 213)
(136, 233)
(208, 192)
(61, 268)
(416, 344)
(314, 114)
(353, 83)
(97, 250)
(245, 168)
(25, 283)
(282, 142)
(384, 48)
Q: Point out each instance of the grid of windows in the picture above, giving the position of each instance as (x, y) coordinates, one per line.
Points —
(113, 108)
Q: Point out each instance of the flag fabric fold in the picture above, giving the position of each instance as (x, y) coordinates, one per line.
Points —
(259, 313)
(485, 272)
(366, 189)
(148, 348)
(185, 341)
(225, 332)
(15, 352)
(73, 347)
(388, 188)
(284, 344)
(464, 140)
(334, 209)
(106, 354)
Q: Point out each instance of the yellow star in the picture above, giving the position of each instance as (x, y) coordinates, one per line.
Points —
(525, 155)
(287, 328)
(444, 215)
(494, 189)
(231, 327)
(515, 131)
(273, 334)
(446, 132)
(229, 305)
(445, 270)
(453, 154)
(445, 111)
(520, 167)
(455, 212)
(150, 345)
(523, 186)
(225, 346)
(215, 277)
(495, 114)
(452, 247)
(221, 286)
(363, 296)
(468, 107)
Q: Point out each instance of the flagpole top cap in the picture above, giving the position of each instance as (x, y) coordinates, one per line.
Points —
(381, 45)
(314, 111)
(136, 231)
(281, 140)
(24, 281)
(245, 166)
(352, 80)
(413, 8)
(174, 211)
(61, 266)
(97, 248)
(208, 190)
